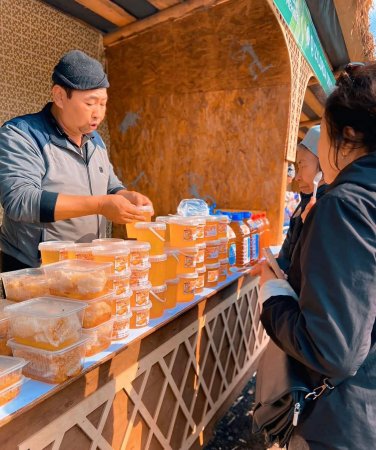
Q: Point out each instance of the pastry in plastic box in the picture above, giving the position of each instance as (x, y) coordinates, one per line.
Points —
(24, 284)
(47, 322)
(98, 310)
(51, 366)
(77, 279)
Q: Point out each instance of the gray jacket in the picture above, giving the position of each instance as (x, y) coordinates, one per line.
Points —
(38, 161)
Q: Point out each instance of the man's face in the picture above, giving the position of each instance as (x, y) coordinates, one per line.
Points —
(84, 111)
(307, 167)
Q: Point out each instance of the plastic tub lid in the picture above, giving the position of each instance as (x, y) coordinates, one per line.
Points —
(22, 272)
(141, 267)
(201, 246)
(88, 302)
(13, 386)
(141, 287)
(10, 364)
(128, 293)
(200, 219)
(78, 265)
(145, 225)
(4, 315)
(145, 208)
(223, 240)
(213, 243)
(212, 266)
(223, 261)
(104, 241)
(54, 245)
(201, 270)
(13, 344)
(213, 218)
(98, 327)
(47, 307)
(111, 250)
(125, 274)
(188, 275)
(187, 249)
(172, 281)
(143, 307)
(186, 221)
(159, 289)
(158, 258)
(138, 245)
(122, 317)
(163, 219)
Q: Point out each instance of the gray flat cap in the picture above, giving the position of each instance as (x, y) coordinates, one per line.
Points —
(79, 71)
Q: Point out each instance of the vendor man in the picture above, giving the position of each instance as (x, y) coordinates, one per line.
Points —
(56, 181)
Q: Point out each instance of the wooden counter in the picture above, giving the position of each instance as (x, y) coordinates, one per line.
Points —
(163, 388)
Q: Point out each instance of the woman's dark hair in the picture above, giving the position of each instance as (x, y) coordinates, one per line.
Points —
(353, 104)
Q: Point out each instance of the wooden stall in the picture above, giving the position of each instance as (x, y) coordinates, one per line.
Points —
(162, 390)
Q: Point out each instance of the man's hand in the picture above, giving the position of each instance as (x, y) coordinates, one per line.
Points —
(135, 197)
(308, 208)
(263, 270)
(118, 209)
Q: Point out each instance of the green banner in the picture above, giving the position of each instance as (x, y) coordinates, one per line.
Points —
(298, 19)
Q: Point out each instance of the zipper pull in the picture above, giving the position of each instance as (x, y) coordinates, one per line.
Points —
(296, 414)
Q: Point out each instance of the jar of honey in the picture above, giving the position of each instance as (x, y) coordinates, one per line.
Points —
(223, 269)
(172, 293)
(201, 271)
(187, 287)
(212, 252)
(157, 274)
(212, 275)
(152, 232)
(140, 316)
(158, 301)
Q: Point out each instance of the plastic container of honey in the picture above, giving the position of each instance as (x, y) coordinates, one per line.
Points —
(121, 304)
(212, 252)
(157, 274)
(121, 326)
(82, 280)
(223, 222)
(158, 301)
(140, 316)
(120, 282)
(51, 366)
(25, 284)
(187, 260)
(46, 322)
(200, 262)
(183, 231)
(118, 255)
(82, 251)
(201, 271)
(201, 223)
(140, 295)
(166, 220)
(212, 275)
(223, 269)
(140, 274)
(223, 248)
(139, 252)
(10, 370)
(99, 337)
(172, 262)
(4, 328)
(54, 251)
(98, 311)
(10, 392)
(186, 287)
(152, 232)
(211, 228)
(172, 292)
(147, 212)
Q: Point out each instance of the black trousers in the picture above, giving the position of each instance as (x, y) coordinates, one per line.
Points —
(8, 263)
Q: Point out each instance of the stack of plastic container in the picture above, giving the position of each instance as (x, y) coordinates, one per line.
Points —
(11, 378)
(47, 332)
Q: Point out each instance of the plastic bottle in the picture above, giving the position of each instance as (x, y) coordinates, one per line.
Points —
(242, 239)
(231, 242)
(254, 239)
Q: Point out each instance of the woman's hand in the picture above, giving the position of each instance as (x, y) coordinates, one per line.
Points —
(263, 270)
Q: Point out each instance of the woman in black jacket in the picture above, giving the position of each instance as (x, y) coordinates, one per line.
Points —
(327, 322)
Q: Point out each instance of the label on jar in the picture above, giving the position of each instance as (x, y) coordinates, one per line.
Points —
(222, 228)
(232, 254)
(212, 252)
(121, 329)
(189, 234)
(120, 286)
(200, 281)
(200, 232)
(189, 261)
(121, 263)
(213, 275)
(247, 248)
(141, 298)
(189, 287)
(255, 247)
(201, 256)
(142, 318)
(223, 249)
(211, 230)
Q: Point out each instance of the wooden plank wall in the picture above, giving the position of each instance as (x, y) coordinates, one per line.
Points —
(199, 107)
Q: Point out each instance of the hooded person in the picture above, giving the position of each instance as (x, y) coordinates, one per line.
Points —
(56, 180)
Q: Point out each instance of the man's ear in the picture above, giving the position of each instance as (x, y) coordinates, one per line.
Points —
(58, 95)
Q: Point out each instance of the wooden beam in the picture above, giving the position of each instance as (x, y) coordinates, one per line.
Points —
(303, 117)
(173, 13)
(313, 103)
(109, 11)
(163, 4)
(301, 134)
(310, 123)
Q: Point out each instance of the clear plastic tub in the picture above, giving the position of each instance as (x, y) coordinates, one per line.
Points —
(211, 228)
(212, 275)
(223, 269)
(200, 261)
(118, 255)
(201, 224)
(51, 366)
(152, 232)
(25, 284)
(81, 280)
(54, 251)
(140, 316)
(201, 271)
(212, 252)
(121, 326)
(158, 300)
(183, 231)
(46, 322)
(157, 274)
(10, 370)
(10, 392)
(99, 338)
(121, 304)
(140, 295)
(147, 212)
(172, 263)
(120, 282)
(82, 251)
(187, 260)
(4, 328)
(223, 248)
(186, 287)
(98, 311)
(139, 252)
(172, 292)
(140, 274)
